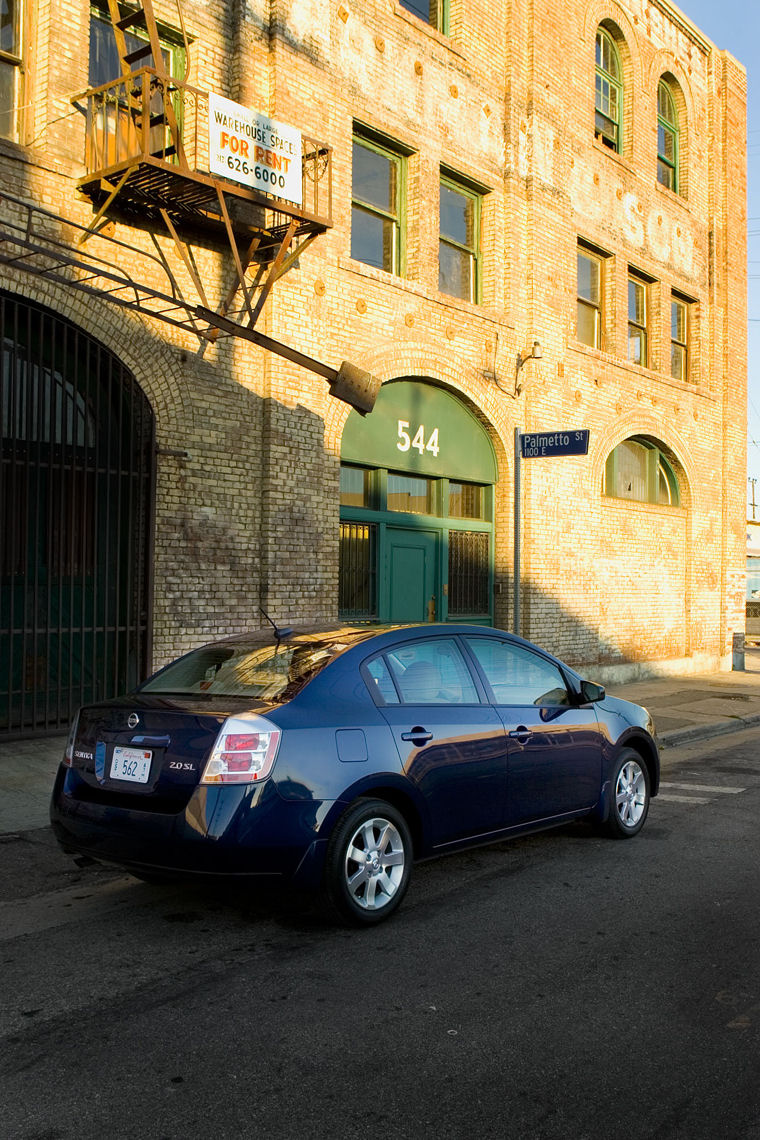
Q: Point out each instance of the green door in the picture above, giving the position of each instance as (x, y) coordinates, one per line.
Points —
(412, 559)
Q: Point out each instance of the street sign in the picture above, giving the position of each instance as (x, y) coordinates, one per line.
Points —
(537, 445)
(547, 444)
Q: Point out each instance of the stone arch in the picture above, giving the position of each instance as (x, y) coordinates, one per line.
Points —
(674, 449)
(77, 524)
(390, 362)
(646, 573)
(485, 403)
(138, 345)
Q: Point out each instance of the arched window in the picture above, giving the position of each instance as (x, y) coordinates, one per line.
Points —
(609, 92)
(636, 469)
(667, 137)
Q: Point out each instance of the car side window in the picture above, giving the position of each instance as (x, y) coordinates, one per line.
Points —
(380, 683)
(432, 672)
(518, 676)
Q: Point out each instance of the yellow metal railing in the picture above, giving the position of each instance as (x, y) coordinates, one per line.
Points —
(149, 117)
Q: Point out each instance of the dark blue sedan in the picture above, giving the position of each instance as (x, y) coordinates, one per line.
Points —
(333, 757)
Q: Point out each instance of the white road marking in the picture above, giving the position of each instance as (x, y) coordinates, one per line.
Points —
(682, 799)
(721, 790)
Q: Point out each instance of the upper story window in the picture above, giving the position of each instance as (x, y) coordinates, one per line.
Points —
(104, 57)
(459, 240)
(589, 304)
(679, 338)
(609, 92)
(667, 138)
(636, 469)
(377, 202)
(10, 67)
(433, 12)
(637, 321)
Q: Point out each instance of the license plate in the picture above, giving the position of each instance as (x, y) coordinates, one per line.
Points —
(131, 764)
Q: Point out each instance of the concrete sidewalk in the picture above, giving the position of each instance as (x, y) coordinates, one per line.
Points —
(684, 708)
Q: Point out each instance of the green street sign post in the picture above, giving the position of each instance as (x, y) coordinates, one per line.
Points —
(538, 445)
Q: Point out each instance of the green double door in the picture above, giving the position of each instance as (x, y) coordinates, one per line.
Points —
(413, 558)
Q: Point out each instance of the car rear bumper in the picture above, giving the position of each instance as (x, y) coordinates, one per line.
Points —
(236, 830)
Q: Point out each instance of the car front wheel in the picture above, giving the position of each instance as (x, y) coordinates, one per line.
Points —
(630, 796)
(368, 863)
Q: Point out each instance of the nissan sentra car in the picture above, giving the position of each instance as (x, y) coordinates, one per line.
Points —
(332, 758)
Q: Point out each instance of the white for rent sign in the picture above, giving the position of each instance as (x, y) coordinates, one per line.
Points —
(253, 149)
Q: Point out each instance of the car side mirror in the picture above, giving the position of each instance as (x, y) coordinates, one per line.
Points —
(592, 692)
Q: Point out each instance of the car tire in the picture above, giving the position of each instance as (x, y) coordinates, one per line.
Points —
(629, 796)
(368, 863)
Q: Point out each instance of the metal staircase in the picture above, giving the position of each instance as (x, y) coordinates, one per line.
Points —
(148, 53)
(146, 166)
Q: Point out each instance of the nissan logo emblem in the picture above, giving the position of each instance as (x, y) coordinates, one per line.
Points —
(133, 720)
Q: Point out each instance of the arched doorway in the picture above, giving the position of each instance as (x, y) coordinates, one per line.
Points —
(76, 496)
(416, 529)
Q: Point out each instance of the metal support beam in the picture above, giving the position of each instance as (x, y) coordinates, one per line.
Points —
(189, 264)
(274, 271)
(349, 383)
(235, 251)
(91, 228)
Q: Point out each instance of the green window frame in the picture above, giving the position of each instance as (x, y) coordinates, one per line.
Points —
(589, 298)
(638, 321)
(459, 258)
(378, 203)
(433, 12)
(680, 322)
(637, 470)
(11, 48)
(104, 63)
(608, 94)
(667, 138)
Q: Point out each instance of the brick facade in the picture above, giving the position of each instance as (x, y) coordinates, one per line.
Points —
(249, 517)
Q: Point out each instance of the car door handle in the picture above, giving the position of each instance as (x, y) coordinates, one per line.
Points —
(418, 735)
(520, 733)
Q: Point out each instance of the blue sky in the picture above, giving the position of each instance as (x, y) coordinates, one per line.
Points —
(734, 25)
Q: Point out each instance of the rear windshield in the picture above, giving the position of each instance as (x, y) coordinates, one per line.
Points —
(248, 668)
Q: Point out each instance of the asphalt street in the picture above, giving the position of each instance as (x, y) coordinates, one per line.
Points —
(559, 986)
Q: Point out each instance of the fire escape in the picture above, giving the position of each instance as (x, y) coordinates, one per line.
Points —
(148, 164)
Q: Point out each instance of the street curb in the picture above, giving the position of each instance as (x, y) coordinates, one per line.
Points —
(705, 731)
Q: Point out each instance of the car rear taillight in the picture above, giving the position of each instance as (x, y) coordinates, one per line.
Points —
(244, 752)
(68, 755)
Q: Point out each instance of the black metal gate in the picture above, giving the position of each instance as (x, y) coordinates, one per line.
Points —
(76, 495)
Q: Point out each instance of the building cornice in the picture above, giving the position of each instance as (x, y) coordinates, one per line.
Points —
(676, 16)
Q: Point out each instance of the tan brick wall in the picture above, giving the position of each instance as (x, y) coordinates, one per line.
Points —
(249, 518)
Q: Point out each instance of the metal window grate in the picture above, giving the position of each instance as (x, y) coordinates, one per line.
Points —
(357, 594)
(76, 492)
(468, 573)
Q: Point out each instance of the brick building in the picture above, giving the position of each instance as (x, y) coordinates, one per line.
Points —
(571, 174)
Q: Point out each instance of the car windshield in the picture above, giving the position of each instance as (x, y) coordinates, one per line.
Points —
(264, 670)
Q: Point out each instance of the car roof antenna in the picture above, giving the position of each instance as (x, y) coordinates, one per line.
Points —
(278, 633)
